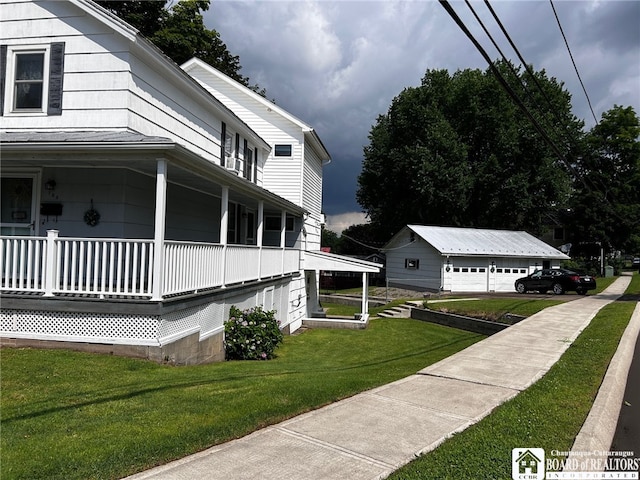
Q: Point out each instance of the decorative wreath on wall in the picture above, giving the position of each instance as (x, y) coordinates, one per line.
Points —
(92, 216)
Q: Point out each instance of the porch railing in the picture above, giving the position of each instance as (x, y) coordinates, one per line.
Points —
(124, 268)
(23, 263)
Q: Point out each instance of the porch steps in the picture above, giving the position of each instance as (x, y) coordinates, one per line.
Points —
(400, 311)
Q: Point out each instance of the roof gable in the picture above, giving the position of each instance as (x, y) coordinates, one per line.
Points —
(195, 64)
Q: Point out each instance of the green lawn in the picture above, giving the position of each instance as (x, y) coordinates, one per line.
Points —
(548, 415)
(68, 415)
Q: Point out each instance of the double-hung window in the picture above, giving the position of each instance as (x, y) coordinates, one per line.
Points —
(31, 79)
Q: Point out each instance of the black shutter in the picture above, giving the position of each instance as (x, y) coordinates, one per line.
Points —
(56, 74)
(223, 139)
(3, 74)
(255, 165)
(244, 169)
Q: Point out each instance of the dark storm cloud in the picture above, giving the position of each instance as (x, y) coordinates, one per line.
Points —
(338, 65)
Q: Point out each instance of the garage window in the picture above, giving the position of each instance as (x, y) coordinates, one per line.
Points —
(456, 269)
(412, 263)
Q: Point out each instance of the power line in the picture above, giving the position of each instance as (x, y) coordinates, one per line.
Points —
(524, 64)
(514, 96)
(505, 84)
(573, 61)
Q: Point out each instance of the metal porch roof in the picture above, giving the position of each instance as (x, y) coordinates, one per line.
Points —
(317, 260)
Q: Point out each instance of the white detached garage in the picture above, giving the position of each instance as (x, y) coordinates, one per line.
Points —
(465, 259)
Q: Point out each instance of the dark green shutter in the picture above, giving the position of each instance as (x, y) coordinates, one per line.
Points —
(223, 139)
(3, 74)
(56, 74)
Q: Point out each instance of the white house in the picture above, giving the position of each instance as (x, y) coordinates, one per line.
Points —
(465, 259)
(139, 201)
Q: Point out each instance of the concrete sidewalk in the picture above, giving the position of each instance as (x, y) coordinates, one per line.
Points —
(371, 434)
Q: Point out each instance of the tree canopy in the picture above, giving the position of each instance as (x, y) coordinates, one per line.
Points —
(605, 205)
(457, 151)
(180, 32)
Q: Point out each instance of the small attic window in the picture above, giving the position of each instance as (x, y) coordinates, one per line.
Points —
(282, 150)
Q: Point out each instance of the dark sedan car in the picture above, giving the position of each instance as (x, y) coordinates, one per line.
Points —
(557, 279)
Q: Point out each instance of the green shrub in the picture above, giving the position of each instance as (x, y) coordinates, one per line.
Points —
(251, 334)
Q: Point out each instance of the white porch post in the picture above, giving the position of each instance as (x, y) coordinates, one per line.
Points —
(224, 228)
(283, 236)
(159, 230)
(365, 295)
(50, 266)
(260, 236)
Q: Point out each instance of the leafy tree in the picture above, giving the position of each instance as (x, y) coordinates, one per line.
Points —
(146, 16)
(606, 199)
(180, 33)
(457, 151)
(330, 239)
(363, 239)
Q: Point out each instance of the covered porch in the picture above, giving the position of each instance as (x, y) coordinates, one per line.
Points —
(315, 262)
(165, 221)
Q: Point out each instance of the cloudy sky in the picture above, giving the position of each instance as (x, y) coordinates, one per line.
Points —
(337, 65)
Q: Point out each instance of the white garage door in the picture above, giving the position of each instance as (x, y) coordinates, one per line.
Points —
(508, 271)
(470, 276)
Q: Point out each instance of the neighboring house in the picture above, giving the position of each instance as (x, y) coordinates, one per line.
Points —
(138, 203)
(465, 259)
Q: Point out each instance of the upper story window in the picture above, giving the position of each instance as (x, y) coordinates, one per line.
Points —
(282, 150)
(238, 155)
(31, 79)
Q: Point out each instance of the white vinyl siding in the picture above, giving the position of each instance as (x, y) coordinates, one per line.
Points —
(426, 276)
(107, 82)
(286, 176)
(312, 185)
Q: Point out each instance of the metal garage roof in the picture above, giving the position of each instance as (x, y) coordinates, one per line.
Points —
(483, 242)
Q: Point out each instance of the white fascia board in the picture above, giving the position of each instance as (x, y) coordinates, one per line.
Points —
(316, 260)
(105, 16)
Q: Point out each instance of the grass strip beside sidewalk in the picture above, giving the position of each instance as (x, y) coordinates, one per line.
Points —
(548, 415)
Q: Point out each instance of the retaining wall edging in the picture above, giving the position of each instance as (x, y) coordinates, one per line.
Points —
(475, 325)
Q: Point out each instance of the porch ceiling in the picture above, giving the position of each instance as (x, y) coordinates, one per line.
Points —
(337, 263)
